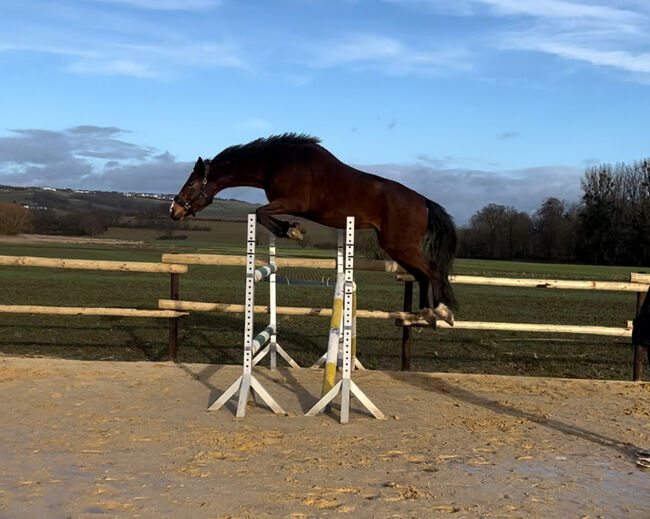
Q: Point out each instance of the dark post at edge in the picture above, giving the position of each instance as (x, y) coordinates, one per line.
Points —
(637, 369)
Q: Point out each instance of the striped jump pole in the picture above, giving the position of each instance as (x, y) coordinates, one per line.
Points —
(270, 345)
(345, 386)
(247, 381)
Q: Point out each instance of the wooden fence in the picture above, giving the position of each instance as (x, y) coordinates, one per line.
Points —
(174, 270)
(638, 284)
(176, 264)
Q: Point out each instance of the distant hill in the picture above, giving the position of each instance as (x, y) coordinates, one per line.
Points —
(82, 201)
(71, 212)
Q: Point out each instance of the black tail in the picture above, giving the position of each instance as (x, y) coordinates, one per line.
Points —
(439, 244)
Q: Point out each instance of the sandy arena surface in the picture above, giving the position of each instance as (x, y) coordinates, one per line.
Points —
(105, 439)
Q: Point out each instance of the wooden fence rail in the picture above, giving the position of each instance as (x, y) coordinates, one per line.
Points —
(82, 310)
(64, 263)
(640, 277)
(408, 318)
(617, 286)
(315, 263)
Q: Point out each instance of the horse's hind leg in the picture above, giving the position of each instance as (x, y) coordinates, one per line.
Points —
(280, 228)
(431, 305)
(413, 260)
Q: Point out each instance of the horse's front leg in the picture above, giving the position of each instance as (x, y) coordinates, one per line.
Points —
(280, 228)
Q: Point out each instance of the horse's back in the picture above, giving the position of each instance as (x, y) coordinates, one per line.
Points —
(338, 190)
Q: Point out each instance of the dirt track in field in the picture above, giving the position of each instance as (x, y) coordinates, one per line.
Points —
(102, 439)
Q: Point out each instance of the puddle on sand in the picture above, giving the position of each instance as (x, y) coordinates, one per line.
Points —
(467, 468)
(614, 484)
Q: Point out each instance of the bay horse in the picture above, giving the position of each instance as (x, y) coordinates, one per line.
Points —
(301, 178)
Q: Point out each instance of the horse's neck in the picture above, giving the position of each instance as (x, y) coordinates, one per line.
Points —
(237, 176)
(249, 175)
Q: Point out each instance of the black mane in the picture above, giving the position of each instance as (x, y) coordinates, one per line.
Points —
(271, 143)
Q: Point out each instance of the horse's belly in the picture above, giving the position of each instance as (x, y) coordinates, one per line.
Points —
(337, 219)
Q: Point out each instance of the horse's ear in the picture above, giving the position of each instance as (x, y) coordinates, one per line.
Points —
(199, 164)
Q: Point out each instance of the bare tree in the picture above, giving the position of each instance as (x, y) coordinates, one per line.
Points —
(14, 219)
(615, 216)
(553, 231)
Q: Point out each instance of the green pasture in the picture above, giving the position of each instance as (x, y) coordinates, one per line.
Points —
(216, 338)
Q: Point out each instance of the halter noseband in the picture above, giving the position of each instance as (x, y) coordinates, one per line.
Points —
(188, 205)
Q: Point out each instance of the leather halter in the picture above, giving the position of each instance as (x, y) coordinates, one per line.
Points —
(202, 194)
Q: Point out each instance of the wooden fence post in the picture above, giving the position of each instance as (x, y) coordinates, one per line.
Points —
(637, 368)
(173, 322)
(406, 330)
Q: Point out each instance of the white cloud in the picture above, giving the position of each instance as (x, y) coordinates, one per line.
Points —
(389, 55)
(102, 41)
(561, 9)
(608, 34)
(465, 191)
(140, 61)
(451, 7)
(166, 5)
(89, 157)
(111, 67)
(365, 47)
(619, 59)
(591, 33)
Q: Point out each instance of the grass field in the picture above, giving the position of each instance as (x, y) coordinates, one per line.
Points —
(216, 338)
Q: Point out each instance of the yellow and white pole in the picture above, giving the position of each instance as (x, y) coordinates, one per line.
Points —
(345, 386)
(354, 324)
(331, 359)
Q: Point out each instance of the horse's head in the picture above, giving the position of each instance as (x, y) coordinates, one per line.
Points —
(195, 194)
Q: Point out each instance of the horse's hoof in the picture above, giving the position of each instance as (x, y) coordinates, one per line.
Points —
(443, 313)
(297, 226)
(643, 462)
(294, 234)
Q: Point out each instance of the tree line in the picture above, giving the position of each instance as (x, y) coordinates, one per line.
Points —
(16, 219)
(609, 225)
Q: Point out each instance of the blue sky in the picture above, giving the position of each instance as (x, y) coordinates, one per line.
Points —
(466, 101)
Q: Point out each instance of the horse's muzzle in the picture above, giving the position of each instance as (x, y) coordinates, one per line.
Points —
(176, 212)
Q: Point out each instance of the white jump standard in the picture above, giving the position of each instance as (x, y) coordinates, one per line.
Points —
(346, 385)
(247, 381)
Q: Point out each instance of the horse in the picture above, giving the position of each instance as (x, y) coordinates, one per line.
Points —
(301, 178)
